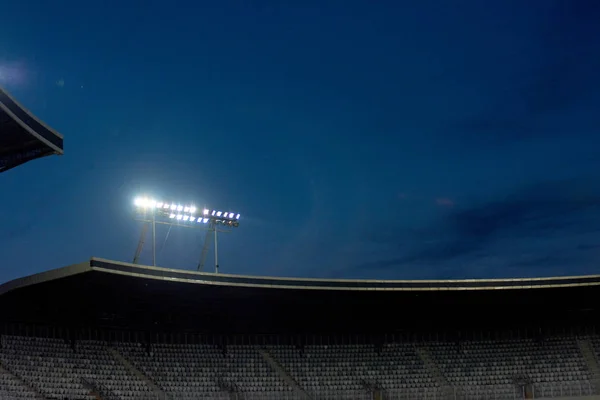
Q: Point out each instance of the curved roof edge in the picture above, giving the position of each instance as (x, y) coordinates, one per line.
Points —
(212, 279)
(207, 278)
(30, 123)
(47, 276)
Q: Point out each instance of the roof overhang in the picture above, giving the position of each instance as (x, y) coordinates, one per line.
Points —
(265, 282)
(23, 137)
(100, 292)
(204, 278)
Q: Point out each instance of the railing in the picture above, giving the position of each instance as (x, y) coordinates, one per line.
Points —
(491, 392)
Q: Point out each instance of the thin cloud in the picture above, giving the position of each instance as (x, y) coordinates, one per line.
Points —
(564, 211)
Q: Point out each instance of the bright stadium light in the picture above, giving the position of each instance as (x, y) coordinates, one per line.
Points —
(185, 212)
(153, 211)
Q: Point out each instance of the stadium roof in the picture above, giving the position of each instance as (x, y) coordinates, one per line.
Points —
(22, 136)
(108, 293)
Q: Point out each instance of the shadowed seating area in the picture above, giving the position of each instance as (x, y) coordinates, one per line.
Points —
(37, 367)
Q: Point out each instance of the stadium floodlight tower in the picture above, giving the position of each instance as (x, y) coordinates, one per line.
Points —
(151, 212)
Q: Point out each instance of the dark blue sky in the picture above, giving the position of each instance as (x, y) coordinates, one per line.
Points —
(383, 139)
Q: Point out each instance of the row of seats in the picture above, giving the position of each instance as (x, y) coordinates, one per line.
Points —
(595, 340)
(201, 369)
(354, 367)
(12, 388)
(485, 363)
(55, 369)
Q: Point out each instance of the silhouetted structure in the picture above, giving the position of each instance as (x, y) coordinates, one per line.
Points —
(130, 331)
(22, 136)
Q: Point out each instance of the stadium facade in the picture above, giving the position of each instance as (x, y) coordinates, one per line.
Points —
(124, 331)
(23, 137)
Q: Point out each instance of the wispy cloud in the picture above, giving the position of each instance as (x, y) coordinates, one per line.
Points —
(536, 225)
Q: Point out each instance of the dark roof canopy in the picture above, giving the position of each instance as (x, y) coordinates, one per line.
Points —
(108, 293)
(22, 136)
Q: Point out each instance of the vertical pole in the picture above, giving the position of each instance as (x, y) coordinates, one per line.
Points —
(153, 238)
(140, 246)
(207, 239)
(216, 252)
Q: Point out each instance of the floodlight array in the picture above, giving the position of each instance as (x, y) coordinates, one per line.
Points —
(186, 213)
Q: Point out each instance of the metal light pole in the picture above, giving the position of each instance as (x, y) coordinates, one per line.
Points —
(216, 252)
(174, 214)
(153, 238)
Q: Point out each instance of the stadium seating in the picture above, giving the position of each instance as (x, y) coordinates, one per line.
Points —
(198, 370)
(58, 370)
(596, 343)
(12, 388)
(353, 367)
(88, 370)
(49, 365)
(99, 366)
(502, 362)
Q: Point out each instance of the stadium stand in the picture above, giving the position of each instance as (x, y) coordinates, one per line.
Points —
(23, 137)
(107, 330)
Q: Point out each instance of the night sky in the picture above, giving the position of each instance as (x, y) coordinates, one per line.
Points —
(380, 139)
